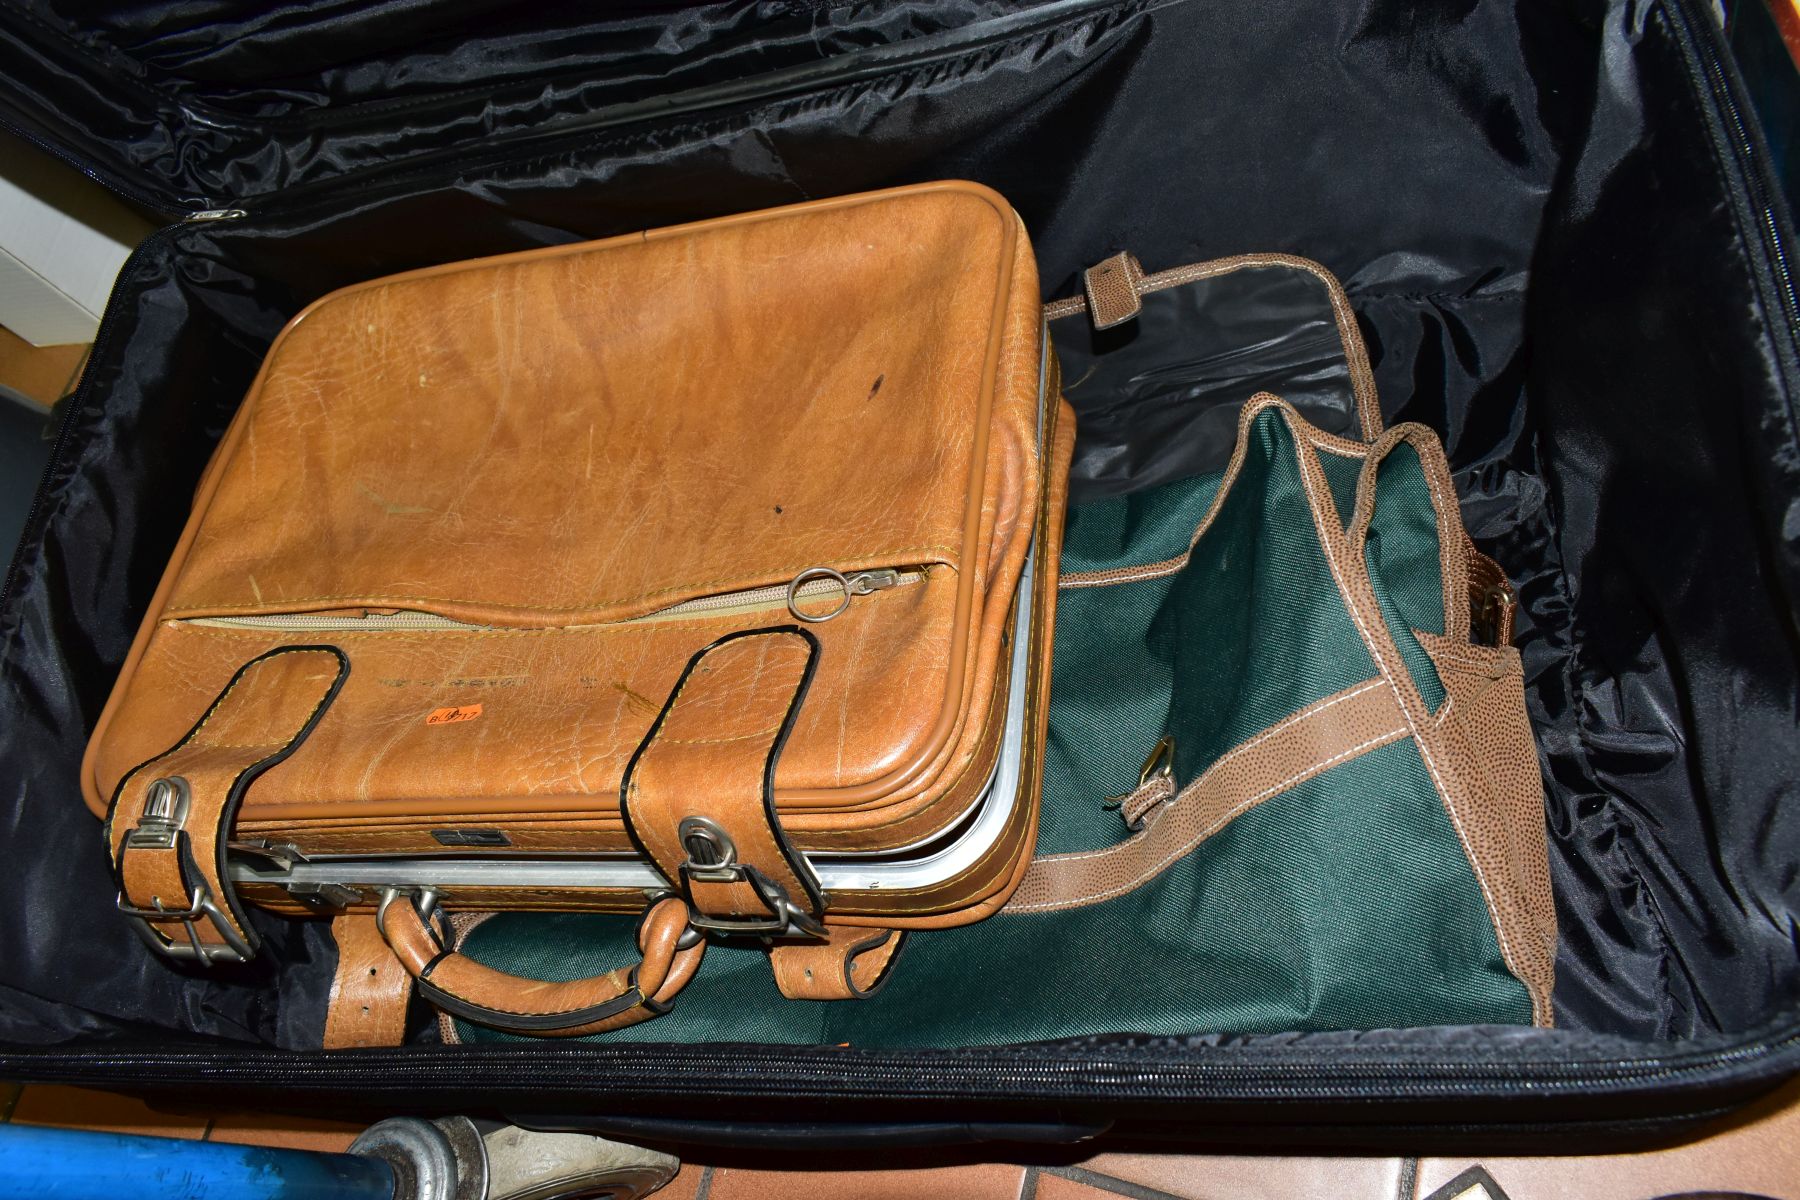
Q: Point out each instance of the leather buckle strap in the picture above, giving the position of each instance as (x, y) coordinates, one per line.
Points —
(698, 794)
(232, 946)
(712, 859)
(170, 862)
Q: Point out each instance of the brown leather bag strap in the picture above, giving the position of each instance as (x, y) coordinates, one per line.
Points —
(167, 827)
(850, 964)
(465, 988)
(699, 793)
(369, 991)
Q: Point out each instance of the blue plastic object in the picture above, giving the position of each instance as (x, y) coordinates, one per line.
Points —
(70, 1164)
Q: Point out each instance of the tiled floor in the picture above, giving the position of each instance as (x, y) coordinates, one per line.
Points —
(1757, 1154)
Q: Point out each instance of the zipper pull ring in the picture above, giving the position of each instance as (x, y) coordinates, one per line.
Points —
(807, 576)
(859, 584)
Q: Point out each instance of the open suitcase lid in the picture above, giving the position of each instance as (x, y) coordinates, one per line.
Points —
(309, 112)
(191, 113)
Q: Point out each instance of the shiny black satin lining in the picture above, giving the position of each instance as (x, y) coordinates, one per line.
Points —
(221, 102)
(1527, 208)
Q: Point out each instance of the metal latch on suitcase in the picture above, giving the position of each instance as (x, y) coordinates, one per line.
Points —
(166, 804)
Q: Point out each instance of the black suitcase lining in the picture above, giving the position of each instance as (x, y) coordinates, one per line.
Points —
(1565, 254)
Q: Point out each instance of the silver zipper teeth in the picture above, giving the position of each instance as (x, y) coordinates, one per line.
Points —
(862, 583)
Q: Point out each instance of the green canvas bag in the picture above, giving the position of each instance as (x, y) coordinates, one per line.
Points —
(1289, 783)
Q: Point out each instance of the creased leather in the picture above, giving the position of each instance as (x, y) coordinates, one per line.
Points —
(712, 756)
(514, 426)
(507, 1001)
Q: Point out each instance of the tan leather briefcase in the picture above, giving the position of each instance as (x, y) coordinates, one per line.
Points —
(707, 572)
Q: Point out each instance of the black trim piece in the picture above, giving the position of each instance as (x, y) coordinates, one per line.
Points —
(1424, 1087)
(494, 1018)
(816, 1136)
(868, 946)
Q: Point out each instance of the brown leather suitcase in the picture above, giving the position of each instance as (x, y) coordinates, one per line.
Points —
(707, 571)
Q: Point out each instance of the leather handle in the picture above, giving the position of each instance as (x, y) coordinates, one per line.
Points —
(465, 988)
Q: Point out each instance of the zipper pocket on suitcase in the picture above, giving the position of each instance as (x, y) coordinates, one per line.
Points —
(816, 583)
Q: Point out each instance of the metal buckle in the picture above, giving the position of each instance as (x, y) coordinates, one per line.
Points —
(1494, 619)
(1161, 762)
(166, 804)
(200, 904)
(788, 921)
(165, 812)
(712, 858)
(424, 901)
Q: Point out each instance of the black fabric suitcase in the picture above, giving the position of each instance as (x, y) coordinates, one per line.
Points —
(1568, 254)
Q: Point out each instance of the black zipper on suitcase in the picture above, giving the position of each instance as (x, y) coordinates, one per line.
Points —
(1044, 1072)
(1741, 155)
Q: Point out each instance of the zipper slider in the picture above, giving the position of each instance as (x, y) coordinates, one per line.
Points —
(859, 584)
(864, 582)
(215, 214)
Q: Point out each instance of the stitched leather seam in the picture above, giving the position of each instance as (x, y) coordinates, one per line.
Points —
(1297, 426)
(1453, 566)
(1232, 755)
(220, 833)
(742, 737)
(1410, 704)
(601, 821)
(1470, 663)
(1223, 820)
(1356, 355)
(234, 745)
(185, 625)
(514, 1012)
(793, 882)
(198, 607)
(218, 704)
(1311, 710)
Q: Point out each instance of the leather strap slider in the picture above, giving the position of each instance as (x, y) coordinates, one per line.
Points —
(1112, 288)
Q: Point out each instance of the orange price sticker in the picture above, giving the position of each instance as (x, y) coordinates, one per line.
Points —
(449, 716)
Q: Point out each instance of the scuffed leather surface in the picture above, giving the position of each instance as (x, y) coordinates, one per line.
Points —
(369, 992)
(522, 441)
(260, 713)
(554, 535)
